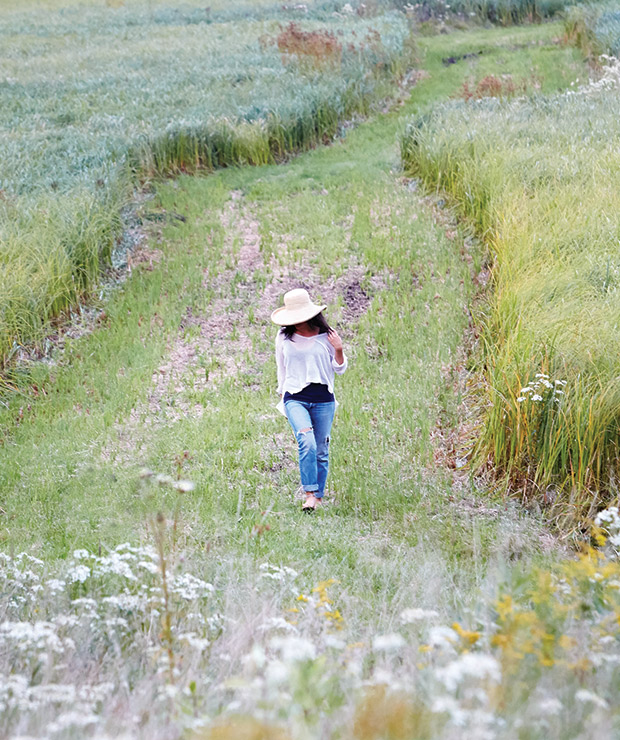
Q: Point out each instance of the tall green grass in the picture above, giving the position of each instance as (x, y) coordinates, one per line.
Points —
(537, 178)
(502, 12)
(96, 99)
(595, 28)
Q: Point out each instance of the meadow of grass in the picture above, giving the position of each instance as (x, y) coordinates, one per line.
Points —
(412, 605)
(534, 176)
(99, 97)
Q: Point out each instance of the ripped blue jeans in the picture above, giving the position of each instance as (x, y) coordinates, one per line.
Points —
(312, 423)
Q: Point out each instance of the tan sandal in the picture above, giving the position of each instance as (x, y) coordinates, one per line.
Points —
(310, 503)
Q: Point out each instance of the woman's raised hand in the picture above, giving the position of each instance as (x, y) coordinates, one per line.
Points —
(334, 339)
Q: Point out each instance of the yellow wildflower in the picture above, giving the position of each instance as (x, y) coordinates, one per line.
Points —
(468, 637)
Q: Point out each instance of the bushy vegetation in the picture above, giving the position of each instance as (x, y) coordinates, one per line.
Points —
(98, 98)
(131, 642)
(503, 12)
(535, 178)
(594, 28)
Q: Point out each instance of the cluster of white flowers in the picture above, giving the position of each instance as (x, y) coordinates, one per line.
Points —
(190, 588)
(609, 520)
(608, 78)
(542, 388)
(277, 574)
(53, 628)
(468, 666)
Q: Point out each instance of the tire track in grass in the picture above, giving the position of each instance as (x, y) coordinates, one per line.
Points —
(245, 220)
(199, 356)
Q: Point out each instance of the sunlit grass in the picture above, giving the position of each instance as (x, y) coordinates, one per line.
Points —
(535, 178)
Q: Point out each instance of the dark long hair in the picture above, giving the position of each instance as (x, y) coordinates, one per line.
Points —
(317, 321)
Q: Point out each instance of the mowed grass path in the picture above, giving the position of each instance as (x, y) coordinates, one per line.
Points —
(179, 377)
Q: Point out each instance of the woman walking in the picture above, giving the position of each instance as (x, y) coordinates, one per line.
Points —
(308, 353)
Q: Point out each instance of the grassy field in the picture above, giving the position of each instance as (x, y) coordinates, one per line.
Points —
(534, 178)
(412, 605)
(99, 97)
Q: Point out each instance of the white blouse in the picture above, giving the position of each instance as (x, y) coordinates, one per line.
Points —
(303, 361)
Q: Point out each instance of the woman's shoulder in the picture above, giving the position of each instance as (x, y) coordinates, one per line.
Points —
(325, 341)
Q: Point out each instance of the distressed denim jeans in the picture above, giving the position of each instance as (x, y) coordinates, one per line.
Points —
(312, 423)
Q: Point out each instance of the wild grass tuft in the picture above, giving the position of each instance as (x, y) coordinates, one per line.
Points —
(501, 12)
(594, 28)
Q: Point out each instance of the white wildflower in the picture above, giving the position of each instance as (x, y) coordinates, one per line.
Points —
(408, 616)
(608, 516)
(525, 390)
(190, 588)
(383, 677)
(113, 622)
(72, 719)
(470, 665)
(55, 585)
(550, 705)
(388, 643)
(293, 649)
(198, 643)
(78, 574)
(277, 623)
(541, 375)
(38, 636)
(442, 637)
(276, 673)
(66, 620)
(256, 658)
(331, 641)
(536, 397)
(148, 565)
(115, 564)
(80, 554)
(30, 558)
(125, 602)
(184, 486)
(521, 399)
(276, 572)
(449, 705)
(585, 696)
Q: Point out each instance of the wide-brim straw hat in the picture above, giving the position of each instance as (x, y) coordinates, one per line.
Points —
(297, 308)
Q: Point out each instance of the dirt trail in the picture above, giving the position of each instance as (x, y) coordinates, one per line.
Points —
(214, 345)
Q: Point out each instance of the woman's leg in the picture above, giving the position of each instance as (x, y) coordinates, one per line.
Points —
(299, 419)
(322, 416)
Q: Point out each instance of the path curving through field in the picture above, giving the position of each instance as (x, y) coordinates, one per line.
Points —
(180, 379)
